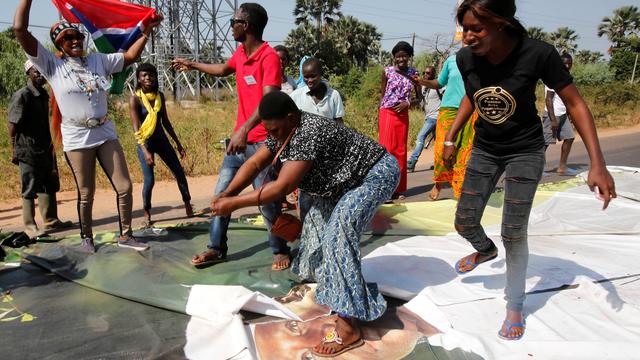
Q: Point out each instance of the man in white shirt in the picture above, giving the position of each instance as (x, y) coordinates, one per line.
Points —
(557, 125)
(316, 96)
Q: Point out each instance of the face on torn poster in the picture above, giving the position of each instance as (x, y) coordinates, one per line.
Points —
(393, 336)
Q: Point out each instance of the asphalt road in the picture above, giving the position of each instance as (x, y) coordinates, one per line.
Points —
(620, 147)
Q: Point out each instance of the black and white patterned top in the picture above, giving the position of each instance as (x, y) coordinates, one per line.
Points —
(341, 156)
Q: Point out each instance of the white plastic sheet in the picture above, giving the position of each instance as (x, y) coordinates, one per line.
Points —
(215, 330)
(589, 322)
(571, 241)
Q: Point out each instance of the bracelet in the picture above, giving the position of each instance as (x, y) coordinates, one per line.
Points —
(449, 143)
(145, 36)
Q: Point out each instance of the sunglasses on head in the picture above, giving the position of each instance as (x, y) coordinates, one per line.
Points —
(71, 37)
(237, 21)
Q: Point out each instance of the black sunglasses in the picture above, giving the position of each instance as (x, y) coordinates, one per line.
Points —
(237, 21)
(70, 37)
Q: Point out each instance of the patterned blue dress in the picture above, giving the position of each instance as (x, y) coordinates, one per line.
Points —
(350, 177)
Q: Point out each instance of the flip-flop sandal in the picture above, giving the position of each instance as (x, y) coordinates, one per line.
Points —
(470, 261)
(511, 325)
(333, 337)
(209, 257)
(202, 213)
(434, 194)
(277, 258)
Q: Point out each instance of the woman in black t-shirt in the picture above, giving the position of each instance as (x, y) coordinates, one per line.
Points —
(500, 69)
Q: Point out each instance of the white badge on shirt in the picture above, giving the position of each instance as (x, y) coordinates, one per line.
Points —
(103, 83)
(250, 80)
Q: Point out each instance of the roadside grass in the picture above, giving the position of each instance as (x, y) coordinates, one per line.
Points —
(200, 128)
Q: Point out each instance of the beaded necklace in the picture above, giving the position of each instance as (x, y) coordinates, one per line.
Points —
(85, 80)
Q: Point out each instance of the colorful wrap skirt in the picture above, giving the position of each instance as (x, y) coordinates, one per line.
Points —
(464, 144)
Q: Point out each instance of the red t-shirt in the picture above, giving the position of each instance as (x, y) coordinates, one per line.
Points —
(252, 74)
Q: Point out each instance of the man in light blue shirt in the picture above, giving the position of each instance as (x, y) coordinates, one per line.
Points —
(316, 96)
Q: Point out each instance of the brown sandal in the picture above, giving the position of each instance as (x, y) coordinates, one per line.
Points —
(281, 262)
(335, 341)
(208, 257)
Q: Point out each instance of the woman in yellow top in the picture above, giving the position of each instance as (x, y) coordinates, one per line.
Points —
(149, 117)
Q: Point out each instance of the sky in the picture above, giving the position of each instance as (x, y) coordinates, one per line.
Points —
(426, 18)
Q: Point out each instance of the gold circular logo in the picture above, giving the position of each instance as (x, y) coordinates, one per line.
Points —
(494, 104)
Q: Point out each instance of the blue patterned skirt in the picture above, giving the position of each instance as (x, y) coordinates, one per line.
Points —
(330, 244)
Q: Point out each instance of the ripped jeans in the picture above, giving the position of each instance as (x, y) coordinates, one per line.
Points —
(522, 175)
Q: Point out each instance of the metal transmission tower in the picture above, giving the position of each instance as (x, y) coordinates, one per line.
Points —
(194, 29)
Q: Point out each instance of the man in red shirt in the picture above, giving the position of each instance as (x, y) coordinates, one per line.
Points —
(257, 69)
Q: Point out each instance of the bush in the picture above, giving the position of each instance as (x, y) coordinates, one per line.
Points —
(592, 74)
(621, 63)
(12, 57)
(621, 94)
(347, 84)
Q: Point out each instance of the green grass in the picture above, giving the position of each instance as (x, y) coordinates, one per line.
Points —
(201, 128)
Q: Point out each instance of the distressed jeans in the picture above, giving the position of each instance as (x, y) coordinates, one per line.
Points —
(220, 224)
(522, 175)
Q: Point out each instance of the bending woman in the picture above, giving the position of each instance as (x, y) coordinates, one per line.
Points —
(348, 176)
(149, 119)
(79, 83)
(501, 67)
(393, 119)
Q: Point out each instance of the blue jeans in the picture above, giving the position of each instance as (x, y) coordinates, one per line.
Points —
(220, 224)
(165, 151)
(428, 127)
(522, 173)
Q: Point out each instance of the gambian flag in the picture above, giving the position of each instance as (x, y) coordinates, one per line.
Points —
(114, 25)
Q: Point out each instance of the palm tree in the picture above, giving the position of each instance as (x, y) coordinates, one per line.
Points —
(624, 22)
(589, 57)
(537, 33)
(322, 12)
(564, 39)
(358, 41)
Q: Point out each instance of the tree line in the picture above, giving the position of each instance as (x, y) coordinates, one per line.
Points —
(343, 42)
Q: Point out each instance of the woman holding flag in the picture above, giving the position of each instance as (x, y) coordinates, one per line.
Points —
(79, 83)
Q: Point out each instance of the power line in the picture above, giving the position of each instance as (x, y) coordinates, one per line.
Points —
(30, 25)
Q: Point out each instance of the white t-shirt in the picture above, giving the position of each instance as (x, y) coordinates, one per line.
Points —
(330, 106)
(558, 106)
(431, 102)
(288, 86)
(75, 102)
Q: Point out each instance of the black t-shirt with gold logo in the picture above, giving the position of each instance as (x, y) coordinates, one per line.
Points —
(504, 94)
